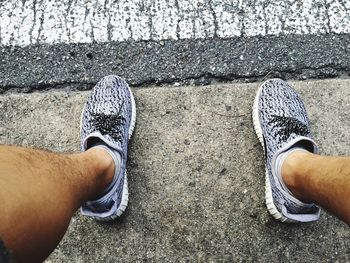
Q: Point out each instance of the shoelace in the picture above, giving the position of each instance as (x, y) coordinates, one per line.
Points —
(288, 126)
(108, 124)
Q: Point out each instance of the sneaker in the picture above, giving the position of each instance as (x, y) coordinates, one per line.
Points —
(280, 121)
(108, 120)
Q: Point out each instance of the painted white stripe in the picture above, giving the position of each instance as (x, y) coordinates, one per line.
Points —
(84, 21)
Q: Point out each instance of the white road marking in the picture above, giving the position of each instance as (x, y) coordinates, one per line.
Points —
(28, 22)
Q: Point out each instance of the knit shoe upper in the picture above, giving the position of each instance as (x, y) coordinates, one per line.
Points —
(280, 121)
(109, 116)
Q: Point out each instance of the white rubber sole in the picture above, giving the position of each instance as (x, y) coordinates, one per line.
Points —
(268, 192)
(125, 194)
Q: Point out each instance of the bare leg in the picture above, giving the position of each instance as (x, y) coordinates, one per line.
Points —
(319, 179)
(39, 193)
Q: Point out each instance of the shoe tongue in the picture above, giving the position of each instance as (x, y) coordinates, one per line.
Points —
(302, 142)
(97, 137)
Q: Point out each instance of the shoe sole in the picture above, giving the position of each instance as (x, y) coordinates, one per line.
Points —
(268, 191)
(125, 195)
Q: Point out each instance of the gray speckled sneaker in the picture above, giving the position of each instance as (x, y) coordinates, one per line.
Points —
(109, 118)
(280, 121)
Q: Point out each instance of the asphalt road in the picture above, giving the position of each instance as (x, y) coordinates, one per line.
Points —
(79, 66)
(79, 21)
(71, 44)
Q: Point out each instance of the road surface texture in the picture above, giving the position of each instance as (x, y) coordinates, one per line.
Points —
(196, 175)
(87, 21)
(53, 44)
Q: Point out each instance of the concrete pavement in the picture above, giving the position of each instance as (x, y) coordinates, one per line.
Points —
(196, 175)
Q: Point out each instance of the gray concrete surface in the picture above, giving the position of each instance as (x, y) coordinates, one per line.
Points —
(196, 175)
